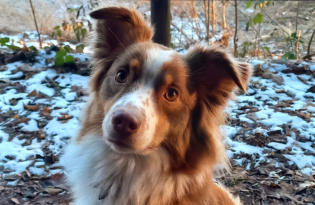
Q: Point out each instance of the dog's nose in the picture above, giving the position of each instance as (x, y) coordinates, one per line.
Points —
(125, 124)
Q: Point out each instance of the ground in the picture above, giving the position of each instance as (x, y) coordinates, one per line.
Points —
(270, 130)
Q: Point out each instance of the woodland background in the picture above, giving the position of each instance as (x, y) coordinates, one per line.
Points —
(44, 68)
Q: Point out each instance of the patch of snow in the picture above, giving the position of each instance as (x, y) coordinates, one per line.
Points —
(278, 146)
(239, 147)
(30, 126)
(302, 160)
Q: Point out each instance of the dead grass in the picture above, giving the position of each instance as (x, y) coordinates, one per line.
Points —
(16, 16)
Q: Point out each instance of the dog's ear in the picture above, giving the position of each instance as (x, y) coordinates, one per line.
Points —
(214, 74)
(116, 29)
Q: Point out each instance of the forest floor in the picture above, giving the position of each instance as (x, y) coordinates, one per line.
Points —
(270, 130)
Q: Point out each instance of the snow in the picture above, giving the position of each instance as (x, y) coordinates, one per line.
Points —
(242, 147)
(14, 148)
(278, 146)
(30, 126)
(263, 94)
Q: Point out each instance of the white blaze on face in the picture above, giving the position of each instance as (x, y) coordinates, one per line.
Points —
(156, 57)
(141, 103)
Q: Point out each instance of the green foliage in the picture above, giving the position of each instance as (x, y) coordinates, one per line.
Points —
(289, 56)
(13, 47)
(249, 4)
(259, 18)
(4, 42)
(255, 22)
(79, 48)
(76, 25)
(80, 31)
(62, 56)
(33, 48)
(259, 3)
(57, 32)
(291, 41)
(245, 48)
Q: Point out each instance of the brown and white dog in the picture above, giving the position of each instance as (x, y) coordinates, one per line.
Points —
(150, 134)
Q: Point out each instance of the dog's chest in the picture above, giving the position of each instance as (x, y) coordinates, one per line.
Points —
(99, 176)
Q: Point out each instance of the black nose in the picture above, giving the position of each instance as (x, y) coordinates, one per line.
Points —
(125, 124)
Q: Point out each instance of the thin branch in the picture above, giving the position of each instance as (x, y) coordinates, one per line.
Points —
(297, 17)
(308, 55)
(235, 34)
(183, 33)
(297, 42)
(35, 21)
(276, 22)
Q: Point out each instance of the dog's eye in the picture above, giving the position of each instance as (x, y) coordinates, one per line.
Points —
(121, 76)
(171, 94)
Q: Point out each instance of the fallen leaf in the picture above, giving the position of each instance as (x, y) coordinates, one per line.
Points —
(32, 94)
(15, 201)
(65, 117)
(53, 191)
(45, 112)
(31, 107)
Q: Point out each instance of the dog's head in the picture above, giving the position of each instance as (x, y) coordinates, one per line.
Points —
(147, 96)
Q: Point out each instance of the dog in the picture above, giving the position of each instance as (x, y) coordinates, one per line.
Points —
(150, 132)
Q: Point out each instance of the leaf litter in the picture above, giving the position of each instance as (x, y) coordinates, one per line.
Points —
(270, 131)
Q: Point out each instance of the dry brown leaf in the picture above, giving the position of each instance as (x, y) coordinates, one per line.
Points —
(32, 94)
(45, 112)
(31, 107)
(65, 117)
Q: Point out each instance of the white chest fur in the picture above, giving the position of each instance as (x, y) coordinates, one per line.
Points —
(94, 171)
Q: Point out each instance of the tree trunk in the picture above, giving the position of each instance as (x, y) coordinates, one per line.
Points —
(160, 19)
(213, 16)
(223, 2)
(206, 8)
(194, 13)
(235, 34)
(308, 55)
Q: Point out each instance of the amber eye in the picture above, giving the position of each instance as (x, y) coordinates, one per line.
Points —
(171, 94)
(121, 76)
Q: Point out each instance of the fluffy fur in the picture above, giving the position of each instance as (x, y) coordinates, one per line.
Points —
(176, 103)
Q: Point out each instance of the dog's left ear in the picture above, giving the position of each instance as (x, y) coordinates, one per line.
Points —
(117, 28)
(214, 74)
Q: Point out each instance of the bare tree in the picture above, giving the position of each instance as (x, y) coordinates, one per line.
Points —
(309, 55)
(35, 22)
(194, 12)
(224, 3)
(235, 34)
(160, 19)
(297, 32)
(213, 15)
(206, 8)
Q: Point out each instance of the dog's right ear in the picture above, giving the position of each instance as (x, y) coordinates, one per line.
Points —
(116, 29)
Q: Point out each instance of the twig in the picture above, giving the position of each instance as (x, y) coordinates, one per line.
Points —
(276, 22)
(235, 34)
(35, 21)
(183, 33)
(308, 55)
(297, 16)
(297, 42)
